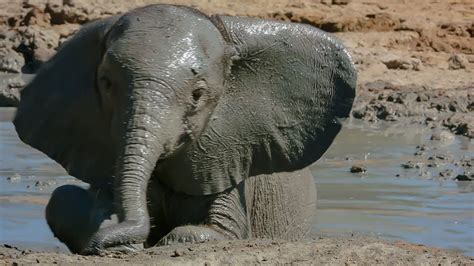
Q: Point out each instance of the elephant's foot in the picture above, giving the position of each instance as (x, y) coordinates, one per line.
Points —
(191, 234)
(75, 214)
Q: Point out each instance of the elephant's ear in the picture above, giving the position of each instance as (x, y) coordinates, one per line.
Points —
(287, 86)
(59, 112)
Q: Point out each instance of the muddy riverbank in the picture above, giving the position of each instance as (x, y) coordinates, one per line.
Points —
(415, 60)
(319, 251)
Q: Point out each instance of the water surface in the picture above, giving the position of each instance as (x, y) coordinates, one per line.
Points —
(416, 207)
(421, 209)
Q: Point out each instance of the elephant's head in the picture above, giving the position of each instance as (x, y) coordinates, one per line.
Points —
(198, 103)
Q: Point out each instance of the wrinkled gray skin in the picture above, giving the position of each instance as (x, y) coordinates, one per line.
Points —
(187, 127)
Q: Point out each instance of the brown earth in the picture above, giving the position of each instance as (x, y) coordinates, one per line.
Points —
(319, 251)
(415, 58)
(415, 61)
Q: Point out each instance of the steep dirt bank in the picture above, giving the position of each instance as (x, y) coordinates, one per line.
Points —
(320, 251)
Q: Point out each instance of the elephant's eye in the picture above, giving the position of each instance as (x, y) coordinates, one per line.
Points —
(199, 96)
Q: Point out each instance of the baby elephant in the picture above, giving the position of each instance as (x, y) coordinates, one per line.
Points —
(187, 127)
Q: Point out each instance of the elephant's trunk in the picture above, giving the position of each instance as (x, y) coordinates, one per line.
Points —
(142, 146)
(133, 173)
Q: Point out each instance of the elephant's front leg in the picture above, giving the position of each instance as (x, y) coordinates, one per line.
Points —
(75, 214)
(217, 217)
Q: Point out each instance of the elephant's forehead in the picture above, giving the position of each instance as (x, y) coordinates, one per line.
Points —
(164, 21)
(167, 34)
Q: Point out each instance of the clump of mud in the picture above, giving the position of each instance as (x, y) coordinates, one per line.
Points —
(452, 109)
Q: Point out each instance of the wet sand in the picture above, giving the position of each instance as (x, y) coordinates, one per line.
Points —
(318, 251)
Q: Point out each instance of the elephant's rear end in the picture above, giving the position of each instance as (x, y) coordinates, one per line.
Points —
(281, 205)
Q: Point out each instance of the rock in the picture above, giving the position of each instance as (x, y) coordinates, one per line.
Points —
(422, 97)
(464, 177)
(359, 114)
(422, 147)
(433, 164)
(35, 3)
(340, 2)
(425, 174)
(62, 14)
(442, 157)
(9, 97)
(446, 173)
(36, 16)
(457, 61)
(11, 61)
(419, 153)
(9, 38)
(42, 54)
(56, 13)
(438, 44)
(416, 63)
(443, 136)
(43, 184)
(326, 2)
(66, 30)
(10, 91)
(461, 124)
(178, 253)
(411, 165)
(358, 169)
(431, 118)
(467, 162)
(38, 45)
(14, 178)
(394, 62)
(46, 41)
(70, 2)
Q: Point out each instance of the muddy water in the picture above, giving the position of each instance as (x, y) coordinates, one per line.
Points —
(27, 178)
(417, 205)
(413, 206)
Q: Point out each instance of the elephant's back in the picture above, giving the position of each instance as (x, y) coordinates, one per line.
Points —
(281, 205)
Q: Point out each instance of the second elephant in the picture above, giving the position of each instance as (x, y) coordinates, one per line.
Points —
(186, 127)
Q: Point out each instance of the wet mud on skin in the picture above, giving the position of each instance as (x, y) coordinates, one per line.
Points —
(418, 204)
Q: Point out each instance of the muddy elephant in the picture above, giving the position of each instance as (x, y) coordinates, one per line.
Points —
(187, 127)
